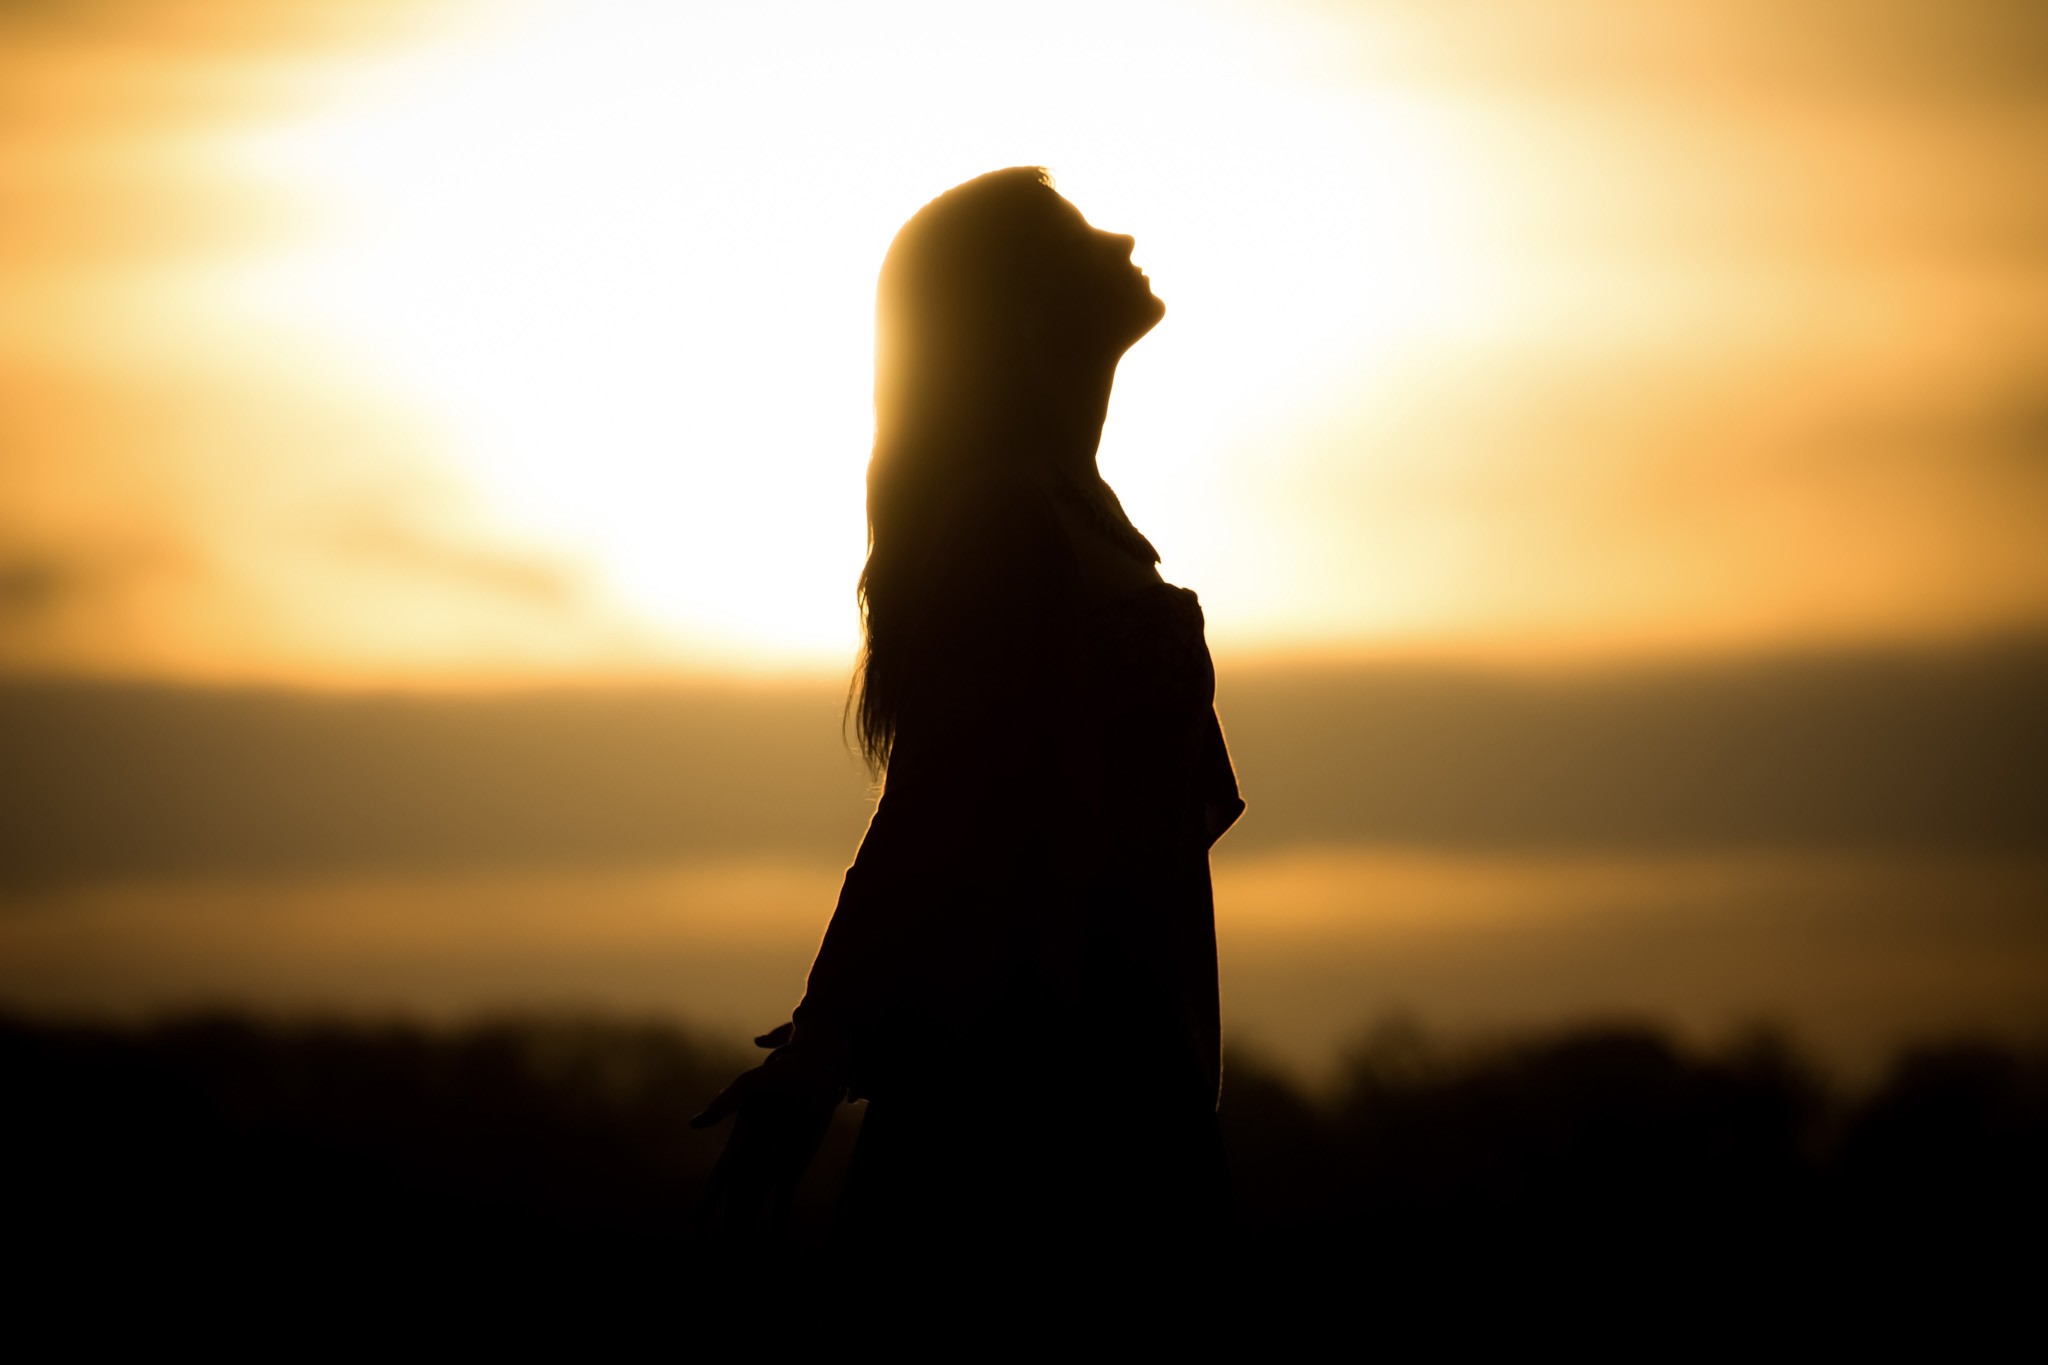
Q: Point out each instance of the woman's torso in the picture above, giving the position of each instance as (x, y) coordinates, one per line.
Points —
(1038, 863)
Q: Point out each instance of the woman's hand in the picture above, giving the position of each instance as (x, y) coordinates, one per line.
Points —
(784, 1107)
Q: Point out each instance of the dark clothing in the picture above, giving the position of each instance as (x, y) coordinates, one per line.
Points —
(1022, 962)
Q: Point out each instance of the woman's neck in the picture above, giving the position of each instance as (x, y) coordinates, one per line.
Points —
(1060, 426)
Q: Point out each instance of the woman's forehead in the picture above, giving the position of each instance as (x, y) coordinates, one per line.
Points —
(1064, 208)
(1062, 219)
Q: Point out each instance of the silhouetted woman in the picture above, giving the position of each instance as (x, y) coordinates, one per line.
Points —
(1020, 974)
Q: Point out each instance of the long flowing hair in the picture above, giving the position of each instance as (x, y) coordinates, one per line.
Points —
(952, 328)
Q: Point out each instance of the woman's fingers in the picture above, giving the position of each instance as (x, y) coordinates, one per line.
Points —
(728, 1100)
(712, 1114)
(783, 1082)
(736, 1094)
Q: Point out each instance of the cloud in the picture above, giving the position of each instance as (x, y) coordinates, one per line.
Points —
(529, 578)
(1934, 749)
(114, 781)
(1964, 51)
(77, 603)
(184, 28)
(1939, 751)
(31, 586)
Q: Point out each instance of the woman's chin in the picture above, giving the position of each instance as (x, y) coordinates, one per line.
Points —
(1149, 314)
(1133, 318)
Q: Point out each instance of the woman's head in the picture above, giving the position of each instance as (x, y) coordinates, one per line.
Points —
(1000, 315)
(992, 296)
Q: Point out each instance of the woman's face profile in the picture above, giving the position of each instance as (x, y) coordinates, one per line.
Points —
(1092, 283)
(996, 286)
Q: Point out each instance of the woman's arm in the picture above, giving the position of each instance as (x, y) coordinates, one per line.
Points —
(986, 786)
(986, 793)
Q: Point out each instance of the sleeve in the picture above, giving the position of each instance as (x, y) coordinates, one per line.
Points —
(1221, 803)
(987, 786)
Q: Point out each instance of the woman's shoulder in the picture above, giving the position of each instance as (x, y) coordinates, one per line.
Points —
(1003, 521)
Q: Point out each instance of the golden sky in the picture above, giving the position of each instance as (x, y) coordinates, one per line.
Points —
(1610, 440)
(465, 343)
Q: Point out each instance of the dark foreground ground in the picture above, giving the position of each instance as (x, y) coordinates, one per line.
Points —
(1592, 1176)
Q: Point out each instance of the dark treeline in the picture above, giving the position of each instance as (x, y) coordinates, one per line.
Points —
(1590, 1166)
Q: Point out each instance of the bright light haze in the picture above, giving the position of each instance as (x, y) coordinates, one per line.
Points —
(1610, 441)
(533, 341)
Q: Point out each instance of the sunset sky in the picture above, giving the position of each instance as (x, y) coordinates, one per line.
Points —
(1618, 358)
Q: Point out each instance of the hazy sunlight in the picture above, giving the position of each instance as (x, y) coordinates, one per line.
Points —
(641, 304)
